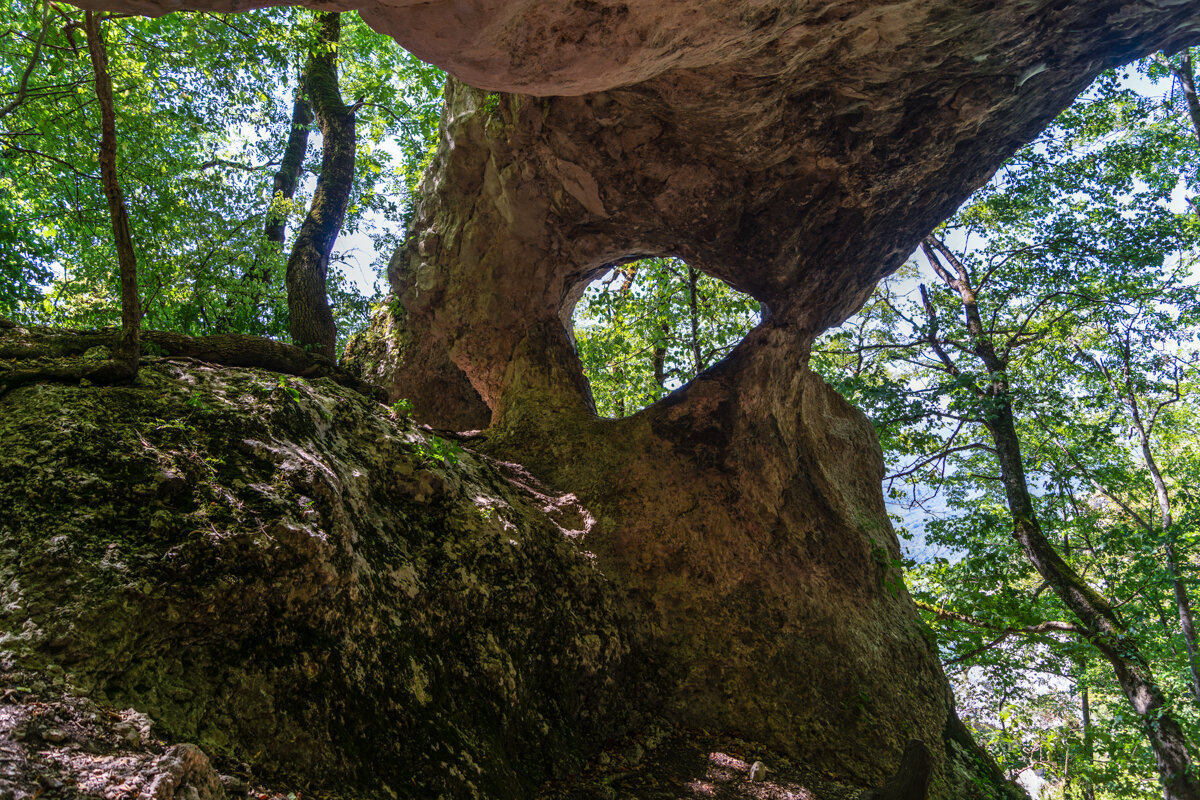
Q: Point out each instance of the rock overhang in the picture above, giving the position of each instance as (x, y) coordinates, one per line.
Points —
(795, 149)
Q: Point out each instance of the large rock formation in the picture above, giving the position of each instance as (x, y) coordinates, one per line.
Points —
(797, 150)
(288, 576)
(741, 518)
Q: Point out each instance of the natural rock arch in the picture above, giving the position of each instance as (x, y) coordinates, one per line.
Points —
(798, 151)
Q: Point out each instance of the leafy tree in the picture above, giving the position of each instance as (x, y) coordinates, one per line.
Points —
(205, 113)
(311, 320)
(1057, 323)
(652, 325)
(129, 349)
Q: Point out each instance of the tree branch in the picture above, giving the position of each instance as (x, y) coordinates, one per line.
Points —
(33, 61)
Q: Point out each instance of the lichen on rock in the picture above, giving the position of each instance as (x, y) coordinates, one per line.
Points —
(288, 575)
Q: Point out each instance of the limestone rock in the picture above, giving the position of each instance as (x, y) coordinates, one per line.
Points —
(552, 48)
(290, 577)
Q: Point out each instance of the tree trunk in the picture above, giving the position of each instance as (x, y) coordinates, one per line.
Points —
(1186, 74)
(311, 320)
(694, 321)
(1123, 388)
(658, 358)
(259, 275)
(288, 176)
(129, 349)
(1167, 740)
(1184, 606)
(1105, 631)
(1182, 602)
(64, 350)
(1085, 708)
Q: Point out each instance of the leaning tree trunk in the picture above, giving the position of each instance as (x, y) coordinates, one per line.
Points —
(129, 349)
(311, 320)
(1103, 628)
(1105, 631)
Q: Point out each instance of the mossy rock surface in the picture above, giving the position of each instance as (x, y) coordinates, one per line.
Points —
(295, 579)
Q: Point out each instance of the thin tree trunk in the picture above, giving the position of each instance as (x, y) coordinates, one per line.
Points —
(1089, 791)
(288, 176)
(311, 320)
(694, 317)
(1105, 631)
(129, 348)
(1125, 391)
(1107, 634)
(1182, 603)
(1186, 621)
(259, 275)
(659, 358)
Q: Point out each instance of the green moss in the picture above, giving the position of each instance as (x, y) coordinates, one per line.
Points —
(281, 573)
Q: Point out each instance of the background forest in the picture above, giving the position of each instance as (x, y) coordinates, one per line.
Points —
(1033, 365)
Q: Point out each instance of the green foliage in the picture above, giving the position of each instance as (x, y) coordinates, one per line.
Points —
(402, 408)
(1079, 254)
(290, 392)
(204, 103)
(434, 448)
(651, 326)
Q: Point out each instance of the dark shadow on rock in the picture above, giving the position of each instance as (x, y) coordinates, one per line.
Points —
(911, 781)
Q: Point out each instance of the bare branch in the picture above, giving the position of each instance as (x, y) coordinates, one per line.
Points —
(1050, 626)
(221, 162)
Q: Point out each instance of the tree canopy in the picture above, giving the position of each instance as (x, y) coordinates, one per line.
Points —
(204, 106)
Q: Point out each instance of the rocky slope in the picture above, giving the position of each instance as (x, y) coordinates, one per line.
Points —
(290, 577)
(294, 584)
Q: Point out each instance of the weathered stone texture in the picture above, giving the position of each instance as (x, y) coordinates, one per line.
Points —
(545, 47)
(281, 573)
(798, 151)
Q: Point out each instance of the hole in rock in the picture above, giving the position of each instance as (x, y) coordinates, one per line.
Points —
(645, 328)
